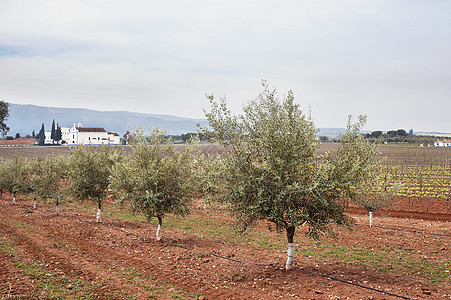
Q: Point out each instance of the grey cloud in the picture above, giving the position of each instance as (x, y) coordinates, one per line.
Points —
(162, 57)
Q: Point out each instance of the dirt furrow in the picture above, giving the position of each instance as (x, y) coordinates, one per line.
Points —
(76, 246)
(12, 280)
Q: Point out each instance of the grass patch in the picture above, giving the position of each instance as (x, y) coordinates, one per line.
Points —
(382, 258)
(158, 289)
(47, 283)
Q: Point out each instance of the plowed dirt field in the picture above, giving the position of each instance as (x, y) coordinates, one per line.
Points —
(71, 256)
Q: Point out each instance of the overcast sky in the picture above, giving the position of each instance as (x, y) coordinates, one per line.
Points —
(388, 59)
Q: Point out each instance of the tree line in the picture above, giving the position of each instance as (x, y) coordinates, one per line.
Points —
(55, 134)
(399, 136)
(271, 172)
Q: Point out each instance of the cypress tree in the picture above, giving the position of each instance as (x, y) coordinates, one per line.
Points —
(4, 114)
(58, 133)
(52, 133)
(41, 136)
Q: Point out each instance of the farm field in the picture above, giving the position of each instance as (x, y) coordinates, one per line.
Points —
(44, 151)
(202, 257)
(424, 172)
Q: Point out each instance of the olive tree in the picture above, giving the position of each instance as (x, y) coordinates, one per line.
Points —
(16, 176)
(155, 177)
(272, 169)
(3, 176)
(208, 178)
(88, 173)
(49, 179)
(377, 192)
(34, 176)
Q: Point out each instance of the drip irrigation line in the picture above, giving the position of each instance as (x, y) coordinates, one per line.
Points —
(407, 230)
(312, 273)
(352, 283)
(262, 265)
(271, 265)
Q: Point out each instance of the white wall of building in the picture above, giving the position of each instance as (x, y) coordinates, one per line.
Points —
(445, 143)
(77, 135)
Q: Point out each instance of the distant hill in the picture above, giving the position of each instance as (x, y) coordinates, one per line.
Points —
(435, 134)
(331, 132)
(24, 119)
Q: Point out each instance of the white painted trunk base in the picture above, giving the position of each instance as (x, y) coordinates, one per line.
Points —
(159, 232)
(290, 255)
(14, 199)
(34, 204)
(57, 210)
(371, 218)
(99, 212)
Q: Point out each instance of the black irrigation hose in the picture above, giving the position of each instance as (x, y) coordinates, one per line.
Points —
(312, 273)
(276, 266)
(408, 230)
(355, 284)
(262, 265)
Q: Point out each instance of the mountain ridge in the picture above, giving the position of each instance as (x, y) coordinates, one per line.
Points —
(24, 118)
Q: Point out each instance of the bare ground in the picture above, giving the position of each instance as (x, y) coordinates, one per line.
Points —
(71, 256)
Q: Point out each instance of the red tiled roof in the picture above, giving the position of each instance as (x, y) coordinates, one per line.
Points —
(17, 142)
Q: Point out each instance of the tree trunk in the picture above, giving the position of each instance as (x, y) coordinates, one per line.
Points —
(160, 223)
(34, 203)
(57, 207)
(290, 252)
(99, 212)
(1, 193)
(371, 218)
(14, 198)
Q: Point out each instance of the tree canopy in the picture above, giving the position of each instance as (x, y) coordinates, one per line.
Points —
(273, 172)
(15, 176)
(58, 134)
(53, 131)
(48, 179)
(88, 173)
(155, 177)
(41, 136)
(4, 114)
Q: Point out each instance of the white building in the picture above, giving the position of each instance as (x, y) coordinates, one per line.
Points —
(444, 143)
(48, 139)
(77, 135)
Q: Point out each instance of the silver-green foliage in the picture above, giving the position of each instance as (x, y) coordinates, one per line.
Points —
(88, 172)
(15, 175)
(208, 178)
(273, 172)
(155, 177)
(3, 176)
(48, 178)
(378, 192)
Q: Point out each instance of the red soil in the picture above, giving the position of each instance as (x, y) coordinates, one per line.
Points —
(73, 246)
